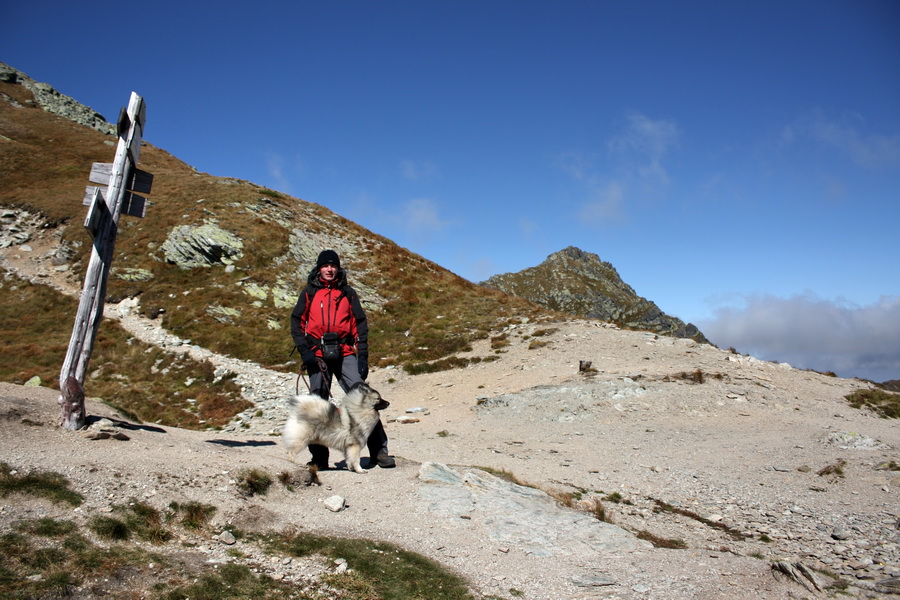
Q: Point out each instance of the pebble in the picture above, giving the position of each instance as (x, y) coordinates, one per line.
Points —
(226, 537)
(335, 503)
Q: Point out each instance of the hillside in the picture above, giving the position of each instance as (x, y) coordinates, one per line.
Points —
(419, 312)
(578, 283)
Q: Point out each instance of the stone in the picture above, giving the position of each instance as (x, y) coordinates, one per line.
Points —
(517, 516)
(840, 534)
(579, 283)
(129, 274)
(207, 245)
(227, 538)
(223, 314)
(254, 290)
(335, 503)
(854, 441)
(35, 382)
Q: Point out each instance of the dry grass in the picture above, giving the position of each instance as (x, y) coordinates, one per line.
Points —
(51, 486)
(666, 507)
(883, 403)
(253, 482)
(661, 542)
(535, 344)
(143, 382)
(833, 471)
(697, 376)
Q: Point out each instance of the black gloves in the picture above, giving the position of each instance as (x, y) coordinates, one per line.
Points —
(363, 360)
(313, 363)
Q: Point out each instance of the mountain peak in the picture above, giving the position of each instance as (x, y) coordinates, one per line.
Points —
(579, 283)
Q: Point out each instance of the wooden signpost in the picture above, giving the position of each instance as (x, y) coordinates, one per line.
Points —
(121, 180)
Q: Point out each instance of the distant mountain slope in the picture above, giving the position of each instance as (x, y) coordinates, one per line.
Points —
(418, 311)
(576, 282)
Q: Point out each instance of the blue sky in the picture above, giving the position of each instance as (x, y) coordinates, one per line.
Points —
(737, 162)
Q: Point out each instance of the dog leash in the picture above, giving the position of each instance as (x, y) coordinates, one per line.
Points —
(308, 389)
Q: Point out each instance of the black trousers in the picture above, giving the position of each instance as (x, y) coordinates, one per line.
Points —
(346, 371)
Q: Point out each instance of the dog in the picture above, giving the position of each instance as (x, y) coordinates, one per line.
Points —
(344, 427)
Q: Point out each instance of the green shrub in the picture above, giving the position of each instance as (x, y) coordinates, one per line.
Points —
(885, 404)
(52, 486)
(252, 482)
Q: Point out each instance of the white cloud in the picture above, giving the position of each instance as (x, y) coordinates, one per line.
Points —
(577, 166)
(280, 172)
(605, 205)
(639, 150)
(416, 221)
(811, 333)
(275, 168)
(528, 228)
(418, 171)
(646, 142)
(420, 217)
(848, 135)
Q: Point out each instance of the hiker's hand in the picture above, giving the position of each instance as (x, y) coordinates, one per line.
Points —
(311, 361)
(363, 360)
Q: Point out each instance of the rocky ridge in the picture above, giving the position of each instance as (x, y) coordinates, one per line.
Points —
(52, 101)
(578, 283)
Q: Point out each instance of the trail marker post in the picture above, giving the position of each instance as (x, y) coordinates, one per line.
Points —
(106, 204)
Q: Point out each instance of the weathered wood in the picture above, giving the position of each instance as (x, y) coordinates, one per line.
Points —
(89, 192)
(103, 222)
(74, 414)
(141, 182)
(97, 213)
(101, 173)
(134, 205)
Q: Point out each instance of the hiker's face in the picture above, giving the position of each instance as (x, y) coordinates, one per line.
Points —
(328, 273)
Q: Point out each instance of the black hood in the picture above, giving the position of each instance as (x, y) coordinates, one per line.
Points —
(313, 278)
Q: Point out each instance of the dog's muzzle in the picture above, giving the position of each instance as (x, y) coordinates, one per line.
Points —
(382, 404)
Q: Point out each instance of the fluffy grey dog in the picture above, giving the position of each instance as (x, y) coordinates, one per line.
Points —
(344, 427)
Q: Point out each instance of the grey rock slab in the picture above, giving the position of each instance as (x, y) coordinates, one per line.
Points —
(517, 516)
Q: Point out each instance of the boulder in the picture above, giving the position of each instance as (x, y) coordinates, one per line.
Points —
(204, 246)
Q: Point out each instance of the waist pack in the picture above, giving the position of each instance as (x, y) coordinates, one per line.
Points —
(331, 346)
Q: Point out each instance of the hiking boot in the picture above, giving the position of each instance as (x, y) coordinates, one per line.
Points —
(319, 457)
(385, 460)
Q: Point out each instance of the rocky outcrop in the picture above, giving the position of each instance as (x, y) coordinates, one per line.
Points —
(52, 101)
(203, 246)
(512, 513)
(17, 226)
(578, 283)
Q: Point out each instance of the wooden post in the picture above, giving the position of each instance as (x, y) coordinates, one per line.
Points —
(105, 207)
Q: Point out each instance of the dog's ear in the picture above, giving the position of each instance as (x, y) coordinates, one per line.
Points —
(362, 386)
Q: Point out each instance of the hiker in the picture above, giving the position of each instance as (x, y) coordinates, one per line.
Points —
(331, 333)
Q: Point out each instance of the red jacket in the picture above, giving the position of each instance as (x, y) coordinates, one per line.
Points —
(329, 308)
